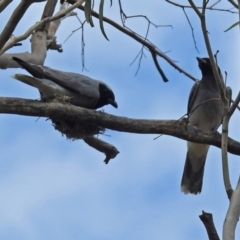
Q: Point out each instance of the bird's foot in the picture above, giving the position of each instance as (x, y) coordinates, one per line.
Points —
(63, 99)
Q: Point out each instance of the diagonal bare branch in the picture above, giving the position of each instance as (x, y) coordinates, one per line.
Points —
(61, 14)
(141, 40)
(14, 20)
(233, 3)
(48, 12)
(4, 4)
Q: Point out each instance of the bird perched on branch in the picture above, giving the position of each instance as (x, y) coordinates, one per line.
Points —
(81, 90)
(205, 111)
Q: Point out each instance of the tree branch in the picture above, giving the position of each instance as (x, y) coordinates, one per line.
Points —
(38, 55)
(208, 8)
(139, 39)
(209, 50)
(4, 4)
(232, 216)
(225, 124)
(48, 12)
(233, 3)
(39, 24)
(179, 129)
(154, 56)
(109, 150)
(207, 220)
(14, 20)
(53, 27)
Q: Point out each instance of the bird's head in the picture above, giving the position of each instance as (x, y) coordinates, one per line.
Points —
(205, 66)
(106, 96)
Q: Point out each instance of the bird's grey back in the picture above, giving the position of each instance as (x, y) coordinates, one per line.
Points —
(74, 81)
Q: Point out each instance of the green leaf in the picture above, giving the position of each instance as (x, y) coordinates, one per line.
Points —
(101, 19)
(234, 25)
(87, 11)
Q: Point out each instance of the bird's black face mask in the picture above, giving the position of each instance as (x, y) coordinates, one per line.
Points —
(106, 96)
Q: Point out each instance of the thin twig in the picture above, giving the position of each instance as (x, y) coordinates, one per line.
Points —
(209, 50)
(193, 36)
(14, 40)
(154, 56)
(124, 17)
(207, 8)
(141, 40)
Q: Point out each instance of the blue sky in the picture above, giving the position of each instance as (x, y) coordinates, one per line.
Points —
(53, 188)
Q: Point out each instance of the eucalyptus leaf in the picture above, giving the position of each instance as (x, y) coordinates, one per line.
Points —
(234, 25)
(87, 11)
(101, 18)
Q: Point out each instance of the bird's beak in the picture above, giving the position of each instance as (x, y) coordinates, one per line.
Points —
(113, 103)
(201, 61)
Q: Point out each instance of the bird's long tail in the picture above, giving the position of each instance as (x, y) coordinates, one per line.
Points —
(34, 70)
(45, 86)
(192, 180)
(25, 79)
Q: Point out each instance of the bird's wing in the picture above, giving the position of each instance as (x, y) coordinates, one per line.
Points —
(49, 90)
(192, 97)
(75, 82)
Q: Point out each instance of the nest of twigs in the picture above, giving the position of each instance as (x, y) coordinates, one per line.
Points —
(74, 130)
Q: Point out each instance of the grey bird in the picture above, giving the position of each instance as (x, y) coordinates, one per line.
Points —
(80, 90)
(205, 111)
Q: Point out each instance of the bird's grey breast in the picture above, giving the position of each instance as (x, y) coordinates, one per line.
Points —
(206, 108)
